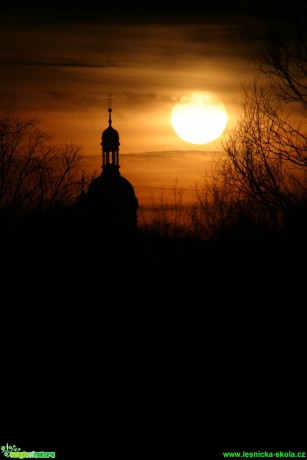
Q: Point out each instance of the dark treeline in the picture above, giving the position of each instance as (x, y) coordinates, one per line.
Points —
(156, 347)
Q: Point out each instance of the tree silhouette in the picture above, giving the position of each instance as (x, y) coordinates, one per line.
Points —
(282, 49)
(266, 153)
(35, 176)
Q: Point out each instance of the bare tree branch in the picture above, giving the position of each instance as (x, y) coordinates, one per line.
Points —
(34, 174)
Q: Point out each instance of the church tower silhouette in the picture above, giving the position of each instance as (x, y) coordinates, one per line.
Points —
(110, 201)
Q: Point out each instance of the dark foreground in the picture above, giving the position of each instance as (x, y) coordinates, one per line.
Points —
(153, 348)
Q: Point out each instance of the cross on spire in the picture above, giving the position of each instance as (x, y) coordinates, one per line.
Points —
(109, 100)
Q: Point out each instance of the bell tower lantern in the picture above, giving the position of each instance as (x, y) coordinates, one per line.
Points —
(110, 147)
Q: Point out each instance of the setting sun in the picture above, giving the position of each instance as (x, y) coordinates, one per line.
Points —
(199, 117)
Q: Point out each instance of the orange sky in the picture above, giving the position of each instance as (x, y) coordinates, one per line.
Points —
(62, 69)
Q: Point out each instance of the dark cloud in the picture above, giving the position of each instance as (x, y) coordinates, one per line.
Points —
(170, 155)
(132, 12)
(55, 63)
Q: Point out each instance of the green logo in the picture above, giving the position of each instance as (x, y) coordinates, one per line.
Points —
(6, 450)
(16, 452)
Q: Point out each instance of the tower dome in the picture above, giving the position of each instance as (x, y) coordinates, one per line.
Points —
(110, 137)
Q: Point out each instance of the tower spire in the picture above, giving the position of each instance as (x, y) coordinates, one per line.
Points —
(110, 108)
